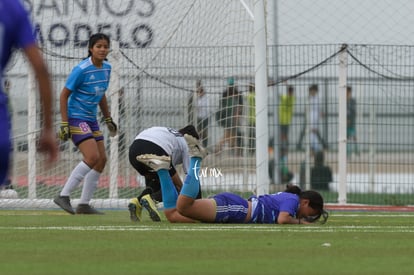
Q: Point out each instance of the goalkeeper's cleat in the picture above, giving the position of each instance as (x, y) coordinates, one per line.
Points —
(149, 204)
(64, 203)
(155, 162)
(135, 210)
(195, 148)
(87, 209)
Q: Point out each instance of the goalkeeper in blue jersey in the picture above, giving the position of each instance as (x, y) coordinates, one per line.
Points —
(84, 90)
(16, 32)
(290, 207)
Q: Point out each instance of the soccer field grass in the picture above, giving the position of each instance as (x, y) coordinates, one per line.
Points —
(53, 242)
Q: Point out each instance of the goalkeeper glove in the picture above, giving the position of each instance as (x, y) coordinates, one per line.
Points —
(64, 132)
(113, 129)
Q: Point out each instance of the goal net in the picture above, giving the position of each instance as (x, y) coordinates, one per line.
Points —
(161, 52)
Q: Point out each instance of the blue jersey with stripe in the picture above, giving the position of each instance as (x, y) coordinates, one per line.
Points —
(87, 84)
(269, 206)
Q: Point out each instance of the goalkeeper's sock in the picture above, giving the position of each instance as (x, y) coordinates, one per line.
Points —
(75, 178)
(191, 186)
(169, 193)
(89, 187)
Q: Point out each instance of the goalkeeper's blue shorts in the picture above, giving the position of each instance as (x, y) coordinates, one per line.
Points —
(5, 143)
(230, 208)
(81, 130)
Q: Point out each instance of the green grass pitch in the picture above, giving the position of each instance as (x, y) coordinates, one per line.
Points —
(53, 242)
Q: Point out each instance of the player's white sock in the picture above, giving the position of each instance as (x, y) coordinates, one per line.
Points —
(75, 178)
(89, 186)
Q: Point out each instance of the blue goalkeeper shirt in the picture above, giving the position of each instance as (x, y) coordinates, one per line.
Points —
(266, 208)
(87, 84)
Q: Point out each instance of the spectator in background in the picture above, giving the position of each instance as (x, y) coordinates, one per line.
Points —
(251, 119)
(350, 122)
(285, 175)
(314, 113)
(199, 106)
(286, 106)
(17, 33)
(321, 175)
(229, 116)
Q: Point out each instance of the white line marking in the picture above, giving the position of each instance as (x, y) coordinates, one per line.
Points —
(250, 228)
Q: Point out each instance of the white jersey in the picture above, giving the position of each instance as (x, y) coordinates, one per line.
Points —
(171, 141)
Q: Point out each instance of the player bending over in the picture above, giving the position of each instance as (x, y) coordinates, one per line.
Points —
(166, 143)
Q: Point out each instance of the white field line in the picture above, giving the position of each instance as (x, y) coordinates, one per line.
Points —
(335, 214)
(230, 228)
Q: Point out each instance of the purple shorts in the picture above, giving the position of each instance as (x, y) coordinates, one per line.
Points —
(81, 130)
(230, 208)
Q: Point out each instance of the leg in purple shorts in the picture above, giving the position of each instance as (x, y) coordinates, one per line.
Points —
(82, 130)
(230, 208)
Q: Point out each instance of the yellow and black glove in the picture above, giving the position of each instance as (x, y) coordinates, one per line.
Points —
(113, 129)
(64, 132)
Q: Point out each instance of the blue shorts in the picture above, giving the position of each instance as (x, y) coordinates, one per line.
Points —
(81, 130)
(230, 208)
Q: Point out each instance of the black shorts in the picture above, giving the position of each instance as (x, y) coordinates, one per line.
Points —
(141, 147)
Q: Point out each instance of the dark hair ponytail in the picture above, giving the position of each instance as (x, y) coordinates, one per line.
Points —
(190, 130)
(315, 202)
(293, 189)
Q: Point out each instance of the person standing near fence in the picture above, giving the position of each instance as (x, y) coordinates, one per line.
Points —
(314, 113)
(199, 106)
(229, 116)
(251, 119)
(286, 106)
(83, 92)
(16, 31)
(351, 113)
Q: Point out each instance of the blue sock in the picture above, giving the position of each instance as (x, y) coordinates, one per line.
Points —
(168, 191)
(191, 185)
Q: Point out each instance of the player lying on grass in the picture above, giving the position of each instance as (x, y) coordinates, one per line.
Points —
(290, 207)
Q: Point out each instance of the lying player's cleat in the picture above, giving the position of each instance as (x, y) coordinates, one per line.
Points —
(87, 209)
(64, 203)
(135, 210)
(155, 162)
(149, 204)
(195, 148)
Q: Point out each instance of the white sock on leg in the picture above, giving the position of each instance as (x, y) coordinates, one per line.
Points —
(75, 178)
